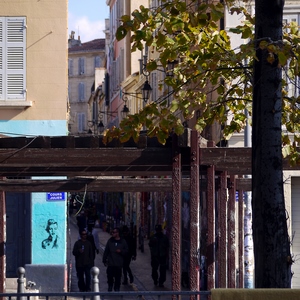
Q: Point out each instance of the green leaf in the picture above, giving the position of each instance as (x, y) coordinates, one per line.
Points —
(121, 33)
(151, 65)
(282, 58)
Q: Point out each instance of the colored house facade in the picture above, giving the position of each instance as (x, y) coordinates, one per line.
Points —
(83, 61)
(33, 102)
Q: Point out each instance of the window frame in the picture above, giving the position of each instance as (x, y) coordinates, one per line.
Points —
(13, 59)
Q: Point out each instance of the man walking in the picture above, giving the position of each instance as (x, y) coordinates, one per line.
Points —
(159, 248)
(83, 252)
(131, 255)
(91, 239)
(113, 257)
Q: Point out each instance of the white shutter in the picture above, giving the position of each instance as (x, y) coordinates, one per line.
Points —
(16, 58)
(2, 47)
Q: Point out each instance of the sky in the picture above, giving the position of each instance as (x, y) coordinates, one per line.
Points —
(87, 19)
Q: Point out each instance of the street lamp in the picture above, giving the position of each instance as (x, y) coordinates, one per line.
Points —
(101, 126)
(124, 111)
(170, 67)
(146, 90)
(97, 124)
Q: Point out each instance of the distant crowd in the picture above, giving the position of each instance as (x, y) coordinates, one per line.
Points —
(119, 251)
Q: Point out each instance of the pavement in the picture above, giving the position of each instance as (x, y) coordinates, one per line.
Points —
(141, 267)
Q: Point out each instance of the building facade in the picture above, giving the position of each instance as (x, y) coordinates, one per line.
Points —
(33, 102)
(83, 61)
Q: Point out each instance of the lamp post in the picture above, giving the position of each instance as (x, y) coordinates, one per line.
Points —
(97, 126)
(146, 89)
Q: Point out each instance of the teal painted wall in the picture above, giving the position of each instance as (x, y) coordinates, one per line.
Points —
(48, 242)
(33, 128)
(44, 250)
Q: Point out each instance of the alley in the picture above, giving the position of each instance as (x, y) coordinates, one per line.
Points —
(141, 267)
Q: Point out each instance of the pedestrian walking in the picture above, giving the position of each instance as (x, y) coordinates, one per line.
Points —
(81, 221)
(131, 255)
(113, 258)
(95, 233)
(91, 239)
(83, 252)
(159, 248)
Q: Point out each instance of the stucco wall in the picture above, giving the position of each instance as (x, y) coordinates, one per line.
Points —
(46, 58)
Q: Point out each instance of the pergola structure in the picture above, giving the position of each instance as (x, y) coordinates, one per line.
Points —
(87, 162)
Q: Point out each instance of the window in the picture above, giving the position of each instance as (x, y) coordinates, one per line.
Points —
(97, 61)
(81, 89)
(12, 58)
(81, 122)
(70, 67)
(81, 65)
(293, 87)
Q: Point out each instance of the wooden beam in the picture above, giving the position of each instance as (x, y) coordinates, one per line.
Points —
(88, 156)
(92, 185)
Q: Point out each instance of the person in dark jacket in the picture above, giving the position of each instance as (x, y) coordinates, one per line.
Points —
(159, 248)
(90, 238)
(131, 255)
(81, 221)
(113, 258)
(83, 252)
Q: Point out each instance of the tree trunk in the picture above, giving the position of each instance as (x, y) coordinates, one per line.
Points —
(270, 235)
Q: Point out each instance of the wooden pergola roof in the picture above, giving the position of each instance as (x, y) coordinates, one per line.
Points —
(87, 162)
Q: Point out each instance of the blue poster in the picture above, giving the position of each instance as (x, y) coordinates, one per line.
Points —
(48, 228)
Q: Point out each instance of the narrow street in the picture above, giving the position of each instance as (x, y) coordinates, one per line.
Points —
(141, 267)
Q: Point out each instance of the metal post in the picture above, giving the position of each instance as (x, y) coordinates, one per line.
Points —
(176, 216)
(95, 282)
(241, 239)
(231, 271)
(2, 242)
(21, 282)
(194, 213)
(222, 231)
(210, 227)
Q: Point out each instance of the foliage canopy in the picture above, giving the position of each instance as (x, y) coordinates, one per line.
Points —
(211, 75)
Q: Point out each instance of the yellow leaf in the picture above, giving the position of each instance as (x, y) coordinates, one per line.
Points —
(263, 45)
(270, 58)
(271, 48)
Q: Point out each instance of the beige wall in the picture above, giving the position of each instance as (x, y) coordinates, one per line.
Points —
(46, 58)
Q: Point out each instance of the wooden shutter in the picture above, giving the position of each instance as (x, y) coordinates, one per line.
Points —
(81, 91)
(97, 62)
(70, 67)
(81, 65)
(15, 58)
(81, 122)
